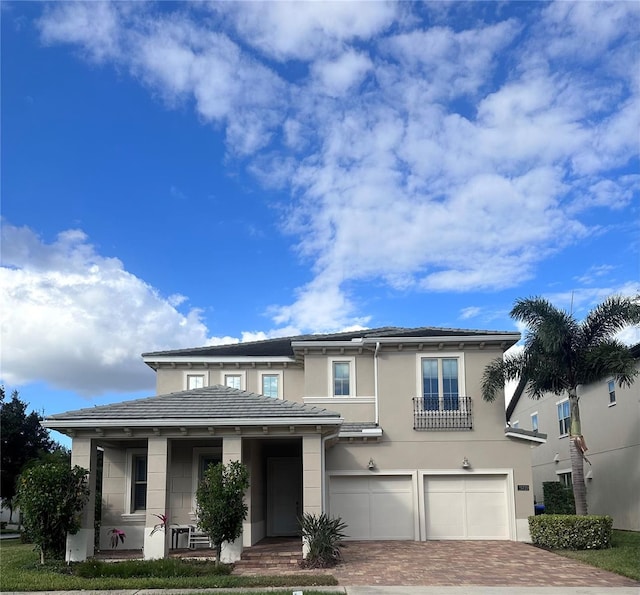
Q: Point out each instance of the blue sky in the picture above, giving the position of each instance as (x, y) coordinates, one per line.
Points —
(183, 174)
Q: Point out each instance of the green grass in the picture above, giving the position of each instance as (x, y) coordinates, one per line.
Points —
(20, 571)
(622, 558)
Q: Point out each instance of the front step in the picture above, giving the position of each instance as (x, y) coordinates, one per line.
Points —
(271, 555)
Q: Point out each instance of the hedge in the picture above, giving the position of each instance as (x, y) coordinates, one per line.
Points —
(558, 499)
(571, 532)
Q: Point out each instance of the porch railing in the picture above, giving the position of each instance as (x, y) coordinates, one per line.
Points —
(453, 413)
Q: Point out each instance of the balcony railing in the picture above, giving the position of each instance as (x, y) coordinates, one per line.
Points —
(452, 413)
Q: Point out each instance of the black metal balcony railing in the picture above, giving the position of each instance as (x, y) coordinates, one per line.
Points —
(452, 413)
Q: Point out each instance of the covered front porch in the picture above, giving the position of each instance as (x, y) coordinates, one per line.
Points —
(147, 469)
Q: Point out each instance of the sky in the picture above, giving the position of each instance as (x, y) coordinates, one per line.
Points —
(184, 174)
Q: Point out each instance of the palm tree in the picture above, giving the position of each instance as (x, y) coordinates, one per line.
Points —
(561, 353)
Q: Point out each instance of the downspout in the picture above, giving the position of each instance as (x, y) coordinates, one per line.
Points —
(375, 382)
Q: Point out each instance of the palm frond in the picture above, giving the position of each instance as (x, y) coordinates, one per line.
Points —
(500, 371)
(610, 358)
(610, 317)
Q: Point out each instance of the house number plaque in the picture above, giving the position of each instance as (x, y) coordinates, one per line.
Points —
(523, 488)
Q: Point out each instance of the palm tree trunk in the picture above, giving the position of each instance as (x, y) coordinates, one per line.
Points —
(576, 451)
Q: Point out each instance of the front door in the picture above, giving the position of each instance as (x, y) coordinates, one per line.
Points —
(284, 496)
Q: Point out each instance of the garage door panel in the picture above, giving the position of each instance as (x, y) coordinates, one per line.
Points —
(466, 507)
(486, 518)
(444, 520)
(374, 507)
(392, 516)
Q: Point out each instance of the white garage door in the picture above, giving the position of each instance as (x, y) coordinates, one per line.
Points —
(469, 507)
(374, 507)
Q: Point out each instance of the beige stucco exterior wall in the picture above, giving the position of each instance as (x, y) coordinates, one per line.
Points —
(169, 380)
(612, 434)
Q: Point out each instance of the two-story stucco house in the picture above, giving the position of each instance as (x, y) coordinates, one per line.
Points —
(610, 416)
(385, 428)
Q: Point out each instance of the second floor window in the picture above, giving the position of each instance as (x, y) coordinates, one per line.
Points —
(270, 385)
(564, 418)
(233, 381)
(611, 386)
(195, 381)
(341, 374)
(440, 384)
(534, 422)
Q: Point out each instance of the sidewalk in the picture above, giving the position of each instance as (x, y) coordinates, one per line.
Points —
(366, 590)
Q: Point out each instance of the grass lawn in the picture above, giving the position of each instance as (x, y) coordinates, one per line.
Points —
(20, 570)
(622, 558)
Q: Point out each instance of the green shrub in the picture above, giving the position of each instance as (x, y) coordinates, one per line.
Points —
(558, 499)
(323, 536)
(571, 532)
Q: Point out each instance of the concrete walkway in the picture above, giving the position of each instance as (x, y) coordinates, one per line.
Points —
(367, 590)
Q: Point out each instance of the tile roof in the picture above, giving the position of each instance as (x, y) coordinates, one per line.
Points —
(209, 403)
(281, 346)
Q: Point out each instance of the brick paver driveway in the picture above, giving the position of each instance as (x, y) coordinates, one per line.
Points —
(459, 563)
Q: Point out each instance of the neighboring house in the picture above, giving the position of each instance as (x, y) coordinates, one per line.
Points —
(385, 428)
(610, 417)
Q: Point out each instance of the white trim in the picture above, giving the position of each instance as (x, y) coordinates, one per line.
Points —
(278, 374)
(242, 374)
(207, 359)
(89, 423)
(510, 495)
(203, 373)
(319, 400)
(519, 436)
(565, 400)
(358, 342)
(128, 482)
(351, 360)
(459, 355)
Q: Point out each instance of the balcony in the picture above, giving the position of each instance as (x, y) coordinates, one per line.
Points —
(449, 414)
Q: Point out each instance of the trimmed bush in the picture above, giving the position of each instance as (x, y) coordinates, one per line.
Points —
(558, 499)
(571, 532)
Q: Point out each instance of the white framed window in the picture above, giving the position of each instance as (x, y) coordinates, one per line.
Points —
(235, 379)
(611, 387)
(564, 418)
(342, 381)
(136, 481)
(202, 458)
(271, 384)
(515, 424)
(564, 477)
(534, 421)
(195, 381)
(441, 381)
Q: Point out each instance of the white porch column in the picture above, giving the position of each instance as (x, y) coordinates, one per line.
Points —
(81, 545)
(156, 545)
(311, 478)
(231, 451)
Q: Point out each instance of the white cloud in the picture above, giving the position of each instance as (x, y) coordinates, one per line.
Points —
(338, 76)
(79, 320)
(470, 157)
(470, 312)
(305, 30)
